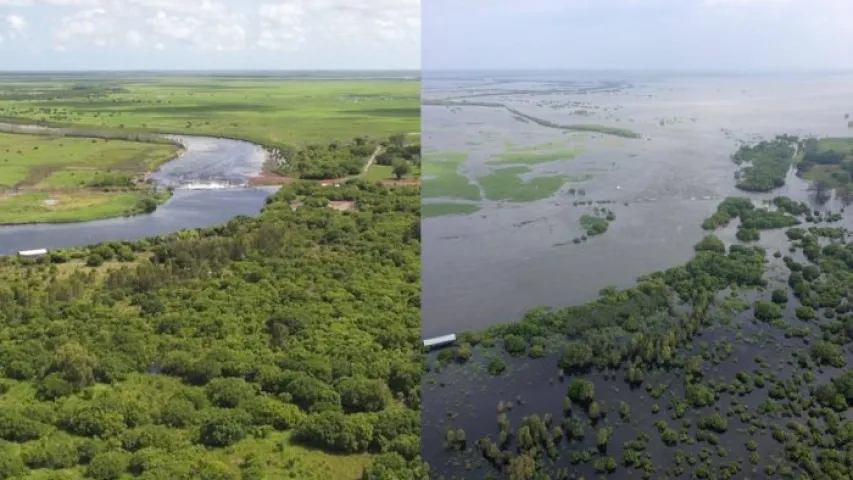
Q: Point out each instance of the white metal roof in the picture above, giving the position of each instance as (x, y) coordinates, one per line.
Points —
(30, 253)
(430, 342)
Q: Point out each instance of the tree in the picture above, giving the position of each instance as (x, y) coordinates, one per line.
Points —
(107, 466)
(522, 467)
(223, 427)
(576, 355)
(75, 364)
(401, 169)
(398, 140)
(361, 394)
(229, 392)
(581, 390)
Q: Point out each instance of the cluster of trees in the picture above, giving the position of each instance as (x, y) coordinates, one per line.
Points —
(301, 325)
(399, 155)
(325, 161)
(752, 219)
(766, 163)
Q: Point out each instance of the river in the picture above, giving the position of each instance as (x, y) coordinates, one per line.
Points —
(209, 178)
(492, 266)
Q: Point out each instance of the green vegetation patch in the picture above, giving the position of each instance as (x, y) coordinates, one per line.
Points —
(441, 177)
(828, 164)
(752, 219)
(532, 157)
(507, 184)
(597, 223)
(447, 208)
(766, 164)
(75, 205)
(45, 162)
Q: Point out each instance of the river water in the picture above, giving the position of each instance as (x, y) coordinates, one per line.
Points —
(209, 177)
(492, 266)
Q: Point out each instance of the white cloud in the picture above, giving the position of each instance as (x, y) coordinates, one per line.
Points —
(227, 25)
(133, 37)
(17, 24)
(288, 25)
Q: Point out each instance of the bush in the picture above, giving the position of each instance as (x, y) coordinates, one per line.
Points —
(711, 244)
(279, 415)
(108, 466)
(767, 311)
(515, 344)
(361, 394)
(229, 392)
(336, 432)
(779, 296)
(11, 465)
(95, 260)
(223, 427)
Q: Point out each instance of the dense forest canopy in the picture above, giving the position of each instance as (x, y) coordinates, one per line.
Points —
(217, 353)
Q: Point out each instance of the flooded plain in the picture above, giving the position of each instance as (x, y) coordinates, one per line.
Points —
(491, 266)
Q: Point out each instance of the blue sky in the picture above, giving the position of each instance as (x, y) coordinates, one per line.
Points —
(209, 34)
(637, 34)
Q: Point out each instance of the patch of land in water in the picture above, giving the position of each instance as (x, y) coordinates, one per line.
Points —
(533, 156)
(68, 179)
(439, 209)
(506, 184)
(444, 179)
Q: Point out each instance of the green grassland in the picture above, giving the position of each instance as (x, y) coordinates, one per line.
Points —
(443, 177)
(271, 112)
(45, 162)
(440, 209)
(65, 207)
(386, 172)
(62, 179)
(532, 156)
(507, 184)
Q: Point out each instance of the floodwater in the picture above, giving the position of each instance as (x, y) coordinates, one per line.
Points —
(210, 180)
(492, 266)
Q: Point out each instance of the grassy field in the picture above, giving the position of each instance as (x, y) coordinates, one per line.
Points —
(440, 209)
(507, 184)
(268, 111)
(442, 177)
(71, 206)
(386, 172)
(42, 162)
(61, 179)
(532, 156)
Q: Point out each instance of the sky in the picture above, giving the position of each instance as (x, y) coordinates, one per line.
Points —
(209, 34)
(637, 34)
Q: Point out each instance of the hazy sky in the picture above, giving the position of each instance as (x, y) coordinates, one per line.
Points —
(209, 34)
(657, 34)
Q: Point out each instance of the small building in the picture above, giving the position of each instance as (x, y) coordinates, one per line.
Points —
(33, 253)
(438, 342)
